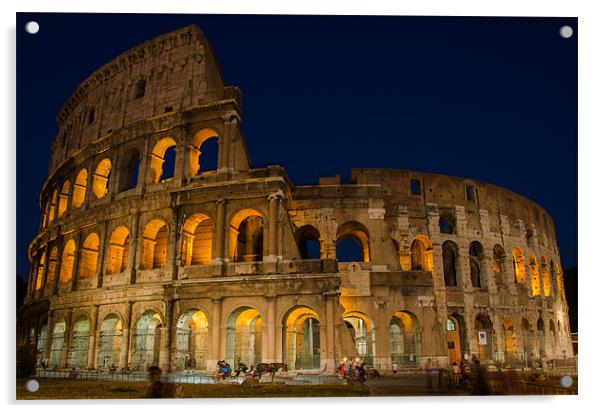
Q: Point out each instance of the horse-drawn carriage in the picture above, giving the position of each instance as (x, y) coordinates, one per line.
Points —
(224, 371)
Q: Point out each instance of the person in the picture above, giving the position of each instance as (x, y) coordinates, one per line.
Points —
(429, 378)
(73, 374)
(341, 370)
(394, 367)
(361, 370)
(158, 389)
(481, 388)
(544, 366)
(456, 374)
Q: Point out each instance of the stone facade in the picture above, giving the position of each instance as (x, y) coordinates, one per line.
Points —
(140, 260)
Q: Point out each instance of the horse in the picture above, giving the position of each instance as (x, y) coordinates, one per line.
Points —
(271, 368)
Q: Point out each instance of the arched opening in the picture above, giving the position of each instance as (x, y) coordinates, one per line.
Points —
(243, 338)
(51, 273)
(192, 340)
(545, 278)
(129, 171)
(421, 253)
(111, 331)
(162, 160)
(541, 337)
(484, 329)
(100, 179)
(526, 332)
(308, 240)
(534, 274)
(79, 188)
(64, 197)
(203, 152)
(509, 340)
(475, 252)
(447, 224)
(405, 338)
(519, 265)
(78, 345)
(499, 266)
(147, 341)
(41, 344)
(456, 338)
(361, 329)
(52, 207)
(246, 236)
(197, 235)
(154, 245)
(67, 260)
(118, 251)
(88, 261)
(450, 263)
(57, 343)
(301, 336)
(353, 243)
(40, 271)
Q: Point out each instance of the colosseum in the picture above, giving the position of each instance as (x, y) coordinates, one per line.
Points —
(152, 252)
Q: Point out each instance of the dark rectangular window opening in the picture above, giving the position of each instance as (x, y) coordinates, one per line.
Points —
(168, 109)
(470, 193)
(90, 115)
(140, 89)
(415, 187)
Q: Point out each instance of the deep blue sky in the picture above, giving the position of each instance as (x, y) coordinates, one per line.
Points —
(494, 99)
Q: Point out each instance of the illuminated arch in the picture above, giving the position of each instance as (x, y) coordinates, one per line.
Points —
(78, 345)
(484, 336)
(301, 338)
(57, 343)
(475, 253)
(88, 261)
(100, 179)
(157, 159)
(358, 233)
(192, 340)
(421, 253)
(154, 245)
(244, 336)
(197, 234)
(404, 334)
(79, 188)
(118, 250)
(147, 340)
(67, 261)
(110, 335)
(64, 197)
(361, 329)
(246, 236)
(195, 163)
(519, 265)
(509, 337)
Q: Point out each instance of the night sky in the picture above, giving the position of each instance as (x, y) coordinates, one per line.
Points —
(493, 99)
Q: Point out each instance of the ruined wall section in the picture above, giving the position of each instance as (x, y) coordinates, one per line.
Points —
(169, 73)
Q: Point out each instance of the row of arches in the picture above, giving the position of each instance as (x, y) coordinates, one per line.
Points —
(160, 166)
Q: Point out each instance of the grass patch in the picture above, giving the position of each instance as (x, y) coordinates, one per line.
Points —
(64, 389)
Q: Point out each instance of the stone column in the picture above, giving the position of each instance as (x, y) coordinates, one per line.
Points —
(92, 337)
(166, 334)
(57, 269)
(330, 300)
(273, 213)
(175, 243)
(271, 329)
(75, 272)
(49, 329)
(214, 352)
(124, 351)
(100, 267)
(220, 231)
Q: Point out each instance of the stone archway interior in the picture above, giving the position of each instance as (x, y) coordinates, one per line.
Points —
(191, 341)
(301, 337)
(244, 336)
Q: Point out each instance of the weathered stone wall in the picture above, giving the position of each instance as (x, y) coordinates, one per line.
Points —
(106, 249)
